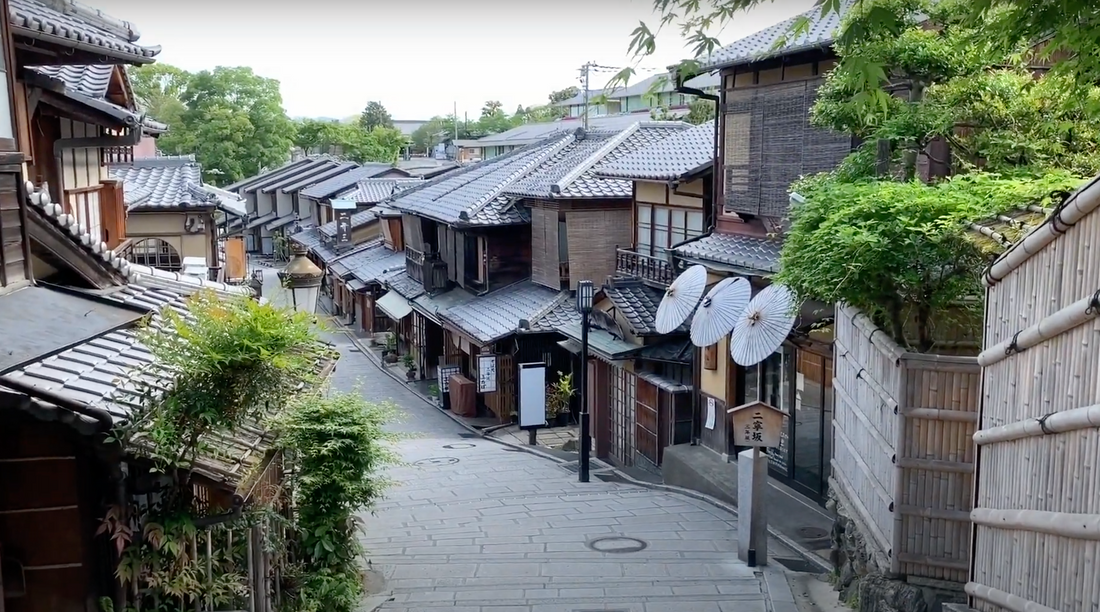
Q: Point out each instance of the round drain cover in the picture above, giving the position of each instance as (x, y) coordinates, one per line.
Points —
(436, 461)
(617, 545)
(458, 445)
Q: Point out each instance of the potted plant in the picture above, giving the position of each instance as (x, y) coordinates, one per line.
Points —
(389, 354)
(558, 395)
(410, 366)
(433, 392)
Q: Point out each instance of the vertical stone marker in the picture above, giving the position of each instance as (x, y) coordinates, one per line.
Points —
(758, 425)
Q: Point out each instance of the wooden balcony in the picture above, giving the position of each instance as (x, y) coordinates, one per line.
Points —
(426, 268)
(656, 270)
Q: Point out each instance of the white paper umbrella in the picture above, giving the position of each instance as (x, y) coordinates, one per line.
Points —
(719, 311)
(680, 299)
(763, 326)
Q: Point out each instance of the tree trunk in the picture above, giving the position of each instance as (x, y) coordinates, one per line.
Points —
(909, 159)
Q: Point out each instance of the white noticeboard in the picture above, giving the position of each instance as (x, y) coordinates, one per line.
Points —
(710, 413)
(532, 395)
(486, 373)
(445, 377)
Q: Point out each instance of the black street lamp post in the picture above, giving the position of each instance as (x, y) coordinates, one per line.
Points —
(585, 294)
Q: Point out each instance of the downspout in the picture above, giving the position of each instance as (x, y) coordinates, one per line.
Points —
(130, 139)
(712, 211)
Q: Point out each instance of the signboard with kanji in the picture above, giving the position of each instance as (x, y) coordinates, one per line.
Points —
(445, 372)
(343, 210)
(756, 424)
(486, 373)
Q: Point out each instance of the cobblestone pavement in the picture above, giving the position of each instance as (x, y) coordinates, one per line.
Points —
(474, 526)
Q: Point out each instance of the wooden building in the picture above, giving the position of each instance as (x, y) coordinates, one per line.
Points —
(343, 185)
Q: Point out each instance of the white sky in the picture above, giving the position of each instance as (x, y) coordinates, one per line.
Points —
(417, 57)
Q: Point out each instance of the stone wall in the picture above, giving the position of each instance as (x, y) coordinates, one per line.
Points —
(865, 588)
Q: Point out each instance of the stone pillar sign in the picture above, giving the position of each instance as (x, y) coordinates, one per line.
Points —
(758, 425)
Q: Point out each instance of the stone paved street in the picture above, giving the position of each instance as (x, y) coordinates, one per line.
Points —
(475, 526)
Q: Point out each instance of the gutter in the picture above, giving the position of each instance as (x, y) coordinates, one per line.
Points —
(105, 422)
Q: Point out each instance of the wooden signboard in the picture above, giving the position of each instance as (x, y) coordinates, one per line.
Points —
(486, 373)
(756, 424)
(236, 263)
(445, 372)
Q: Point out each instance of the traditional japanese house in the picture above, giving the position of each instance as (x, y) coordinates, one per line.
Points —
(171, 214)
(340, 185)
(356, 283)
(462, 233)
(70, 341)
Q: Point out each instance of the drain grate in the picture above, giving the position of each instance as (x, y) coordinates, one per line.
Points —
(436, 461)
(468, 435)
(610, 477)
(572, 467)
(509, 449)
(617, 545)
(458, 446)
(798, 565)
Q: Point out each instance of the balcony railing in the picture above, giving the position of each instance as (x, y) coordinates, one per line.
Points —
(651, 269)
(426, 268)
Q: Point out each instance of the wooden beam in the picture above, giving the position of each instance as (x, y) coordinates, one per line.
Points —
(53, 239)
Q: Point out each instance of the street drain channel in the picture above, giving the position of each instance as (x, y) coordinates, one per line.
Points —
(616, 545)
(798, 565)
(458, 446)
(435, 461)
(812, 533)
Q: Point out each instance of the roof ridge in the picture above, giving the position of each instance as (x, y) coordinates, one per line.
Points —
(592, 159)
(537, 160)
(563, 296)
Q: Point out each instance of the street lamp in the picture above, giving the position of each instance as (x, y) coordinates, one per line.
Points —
(585, 294)
(303, 278)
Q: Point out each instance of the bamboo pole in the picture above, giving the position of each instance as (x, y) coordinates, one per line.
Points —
(1076, 207)
(902, 398)
(1057, 423)
(1062, 524)
(1070, 317)
(1005, 600)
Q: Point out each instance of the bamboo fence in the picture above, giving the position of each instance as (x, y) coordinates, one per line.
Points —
(1037, 510)
(904, 458)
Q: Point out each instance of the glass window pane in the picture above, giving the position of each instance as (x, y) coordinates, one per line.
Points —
(660, 217)
(643, 214)
(660, 237)
(678, 219)
(695, 223)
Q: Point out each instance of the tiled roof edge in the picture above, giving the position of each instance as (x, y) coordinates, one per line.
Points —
(528, 167)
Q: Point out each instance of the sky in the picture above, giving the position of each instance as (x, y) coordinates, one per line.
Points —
(419, 58)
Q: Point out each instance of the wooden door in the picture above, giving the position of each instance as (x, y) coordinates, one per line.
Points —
(236, 262)
(112, 214)
(506, 385)
(647, 427)
(622, 415)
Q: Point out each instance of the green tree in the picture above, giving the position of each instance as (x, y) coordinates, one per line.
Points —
(700, 111)
(562, 95)
(318, 136)
(157, 91)
(492, 107)
(375, 115)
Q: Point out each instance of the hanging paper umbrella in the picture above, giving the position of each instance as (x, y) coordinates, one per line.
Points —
(719, 311)
(680, 299)
(762, 326)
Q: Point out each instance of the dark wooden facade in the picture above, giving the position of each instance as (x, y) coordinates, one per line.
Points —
(574, 240)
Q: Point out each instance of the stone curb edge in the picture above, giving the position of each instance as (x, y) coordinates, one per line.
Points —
(802, 551)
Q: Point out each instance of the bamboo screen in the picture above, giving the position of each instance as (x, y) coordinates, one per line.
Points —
(903, 457)
(1037, 514)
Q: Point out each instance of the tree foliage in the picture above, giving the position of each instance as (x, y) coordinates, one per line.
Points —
(380, 144)
(901, 251)
(339, 444)
(230, 118)
(375, 116)
(700, 111)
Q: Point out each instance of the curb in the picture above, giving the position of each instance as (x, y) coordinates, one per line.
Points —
(802, 551)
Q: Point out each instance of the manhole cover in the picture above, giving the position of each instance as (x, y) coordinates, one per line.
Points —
(812, 532)
(459, 445)
(616, 544)
(436, 461)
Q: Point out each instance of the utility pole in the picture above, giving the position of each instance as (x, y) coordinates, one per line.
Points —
(588, 66)
(456, 119)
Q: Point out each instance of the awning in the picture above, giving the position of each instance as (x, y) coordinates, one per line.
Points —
(355, 284)
(395, 306)
(281, 221)
(258, 221)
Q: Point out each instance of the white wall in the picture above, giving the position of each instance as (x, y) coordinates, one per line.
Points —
(80, 168)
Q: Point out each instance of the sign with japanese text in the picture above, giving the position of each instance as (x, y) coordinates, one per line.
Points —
(757, 424)
(445, 377)
(486, 373)
(343, 210)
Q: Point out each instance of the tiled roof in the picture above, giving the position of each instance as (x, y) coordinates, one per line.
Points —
(751, 252)
(302, 168)
(135, 273)
(680, 154)
(358, 220)
(311, 239)
(530, 133)
(457, 196)
(569, 173)
(761, 45)
(373, 191)
(313, 179)
(245, 183)
(306, 174)
(81, 27)
(636, 302)
(369, 265)
(562, 311)
(334, 185)
(497, 314)
(88, 80)
(87, 94)
(404, 284)
(170, 183)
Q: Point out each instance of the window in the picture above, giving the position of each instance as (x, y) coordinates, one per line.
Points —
(661, 227)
